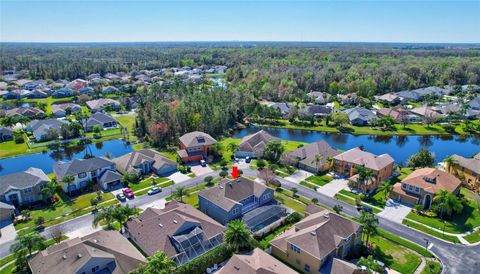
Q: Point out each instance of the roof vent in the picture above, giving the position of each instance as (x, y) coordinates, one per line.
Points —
(175, 221)
(221, 187)
(313, 233)
(64, 256)
(160, 225)
(95, 240)
(230, 184)
(238, 180)
(79, 255)
(236, 267)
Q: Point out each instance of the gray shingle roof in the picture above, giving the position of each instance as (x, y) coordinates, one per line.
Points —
(41, 127)
(360, 113)
(21, 180)
(128, 161)
(6, 131)
(77, 166)
(475, 103)
(197, 138)
(100, 118)
(256, 142)
(307, 153)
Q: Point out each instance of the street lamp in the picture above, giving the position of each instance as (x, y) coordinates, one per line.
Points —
(444, 223)
(426, 244)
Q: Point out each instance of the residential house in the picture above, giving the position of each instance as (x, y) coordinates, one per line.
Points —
(360, 116)
(232, 199)
(418, 94)
(103, 104)
(311, 244)
(37, 94)
(426, 112)
(98, 170)
(6, 134)
(77, 84)
(195, 146)
(400, 115)
(346, 162)
(87, 90)
(349, 99)
(317, 110)
(446, 109)
(470, 88)
(254, 262)
(391, 99)
(179, 230)
(254, 145)
(321, 98)
(145, 161)
(315, 157)
(100, 252)
(474, 103)
(109, 90)
(421, 186)
(7, 212)
(467, 169)
(28, 112)
(62, 110)
(62, 93)
(35, 85)
(23, 188)
(283, 108)
(45, 130)
(16, 94)
(103, 120)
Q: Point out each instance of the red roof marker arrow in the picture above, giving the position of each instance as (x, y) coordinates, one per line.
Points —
(235, 172)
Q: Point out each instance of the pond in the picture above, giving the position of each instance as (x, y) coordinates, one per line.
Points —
(45, 161)
(399, 147)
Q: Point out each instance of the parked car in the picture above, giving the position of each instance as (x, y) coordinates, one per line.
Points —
(365, 208)
(154, 190)
(203, 163)
(121, 197)
(248, 160)
(128, 193)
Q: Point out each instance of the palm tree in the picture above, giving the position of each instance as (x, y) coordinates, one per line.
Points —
(450, 161)
(447, 203)
(317, 160)
(122, 213)
(69, 179)
(337, 208)
(385, 188)
(48, 190)
(370, 264)
(28, 242)
(364, 174)
(158, 263)
(180, 192)
(237, 235)
(273, 151)
(370, 223)
(107, 215)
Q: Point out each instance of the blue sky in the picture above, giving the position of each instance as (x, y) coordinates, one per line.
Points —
(135, 20)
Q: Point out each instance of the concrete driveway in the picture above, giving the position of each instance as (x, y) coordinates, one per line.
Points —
(8, 232)
(395, 211)
(178, 177)
(333, 187)
(298, 176)
(199, 170)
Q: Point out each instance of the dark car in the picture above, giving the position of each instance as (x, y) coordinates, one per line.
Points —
(248, 160)
(365, 208)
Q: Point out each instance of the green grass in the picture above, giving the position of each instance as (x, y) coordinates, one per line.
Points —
(473, 237)
(401, 241)
(8, 269)
(147, 183)
(291, 145)
(435, 233)
(399, 259)
(128, 121)
(290, 203)
(192, 199)
(350, 194)
(307, 184)
(226, 153)
(320, 180)
(432, 267)
(10, 149)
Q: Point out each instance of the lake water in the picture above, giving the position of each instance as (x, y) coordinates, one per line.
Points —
(45, 161)
(399, 147)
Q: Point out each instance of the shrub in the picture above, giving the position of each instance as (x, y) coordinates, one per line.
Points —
(293, 218)
(261, 164)
(223, 174)
(201, 263)
(276, 183)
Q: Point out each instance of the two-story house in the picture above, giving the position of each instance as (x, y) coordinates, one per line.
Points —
(233, 199)
(23, 188)
(421, 186)
(346, 163)
(179, 230)
(195, 146)
(145, 161)
(97, 170)
(319, 238)
(468, 169)
(99, 252)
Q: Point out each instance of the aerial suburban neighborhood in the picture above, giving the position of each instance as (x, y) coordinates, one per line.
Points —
(186, 137)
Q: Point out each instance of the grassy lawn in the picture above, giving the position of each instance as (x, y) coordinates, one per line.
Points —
(9, 149)
(412, 129)
(307, 184)
(291, 145)
(128, 121)
(401, 241)
(192, 199)
(399, 259)
(320, 180)
(344, 199)
(350, 194)
(432, 267)
(437, 234)
(473, 237)
(290, 203)
(147, 183)
(226, 153)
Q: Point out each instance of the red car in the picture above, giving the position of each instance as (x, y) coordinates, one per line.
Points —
(128, 193)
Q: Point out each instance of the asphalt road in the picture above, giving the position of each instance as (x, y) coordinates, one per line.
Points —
(455, 258)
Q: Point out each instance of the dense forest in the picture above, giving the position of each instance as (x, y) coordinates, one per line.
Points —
(275, 73)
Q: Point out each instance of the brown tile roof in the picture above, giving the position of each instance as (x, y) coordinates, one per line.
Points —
(472, 164)
(426, 111)
(318, 234)
(154, 228)
(228, 192)
(127, 162)
(256, 142)
(307, 153)
(396, 113)
(366, 159)
(432, 180)
(257, 261)
(197, 138)
(397, 188)
(72, 255)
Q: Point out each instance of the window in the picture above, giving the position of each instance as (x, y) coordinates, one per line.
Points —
(404, 186)
(235, 211)
(306, 268)
(417, 189)
(82, 175)
(28, 190)
(298, 261)
(295, 248)
(266, 196)
(410, 187)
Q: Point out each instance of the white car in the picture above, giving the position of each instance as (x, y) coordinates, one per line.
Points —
(154, 190)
